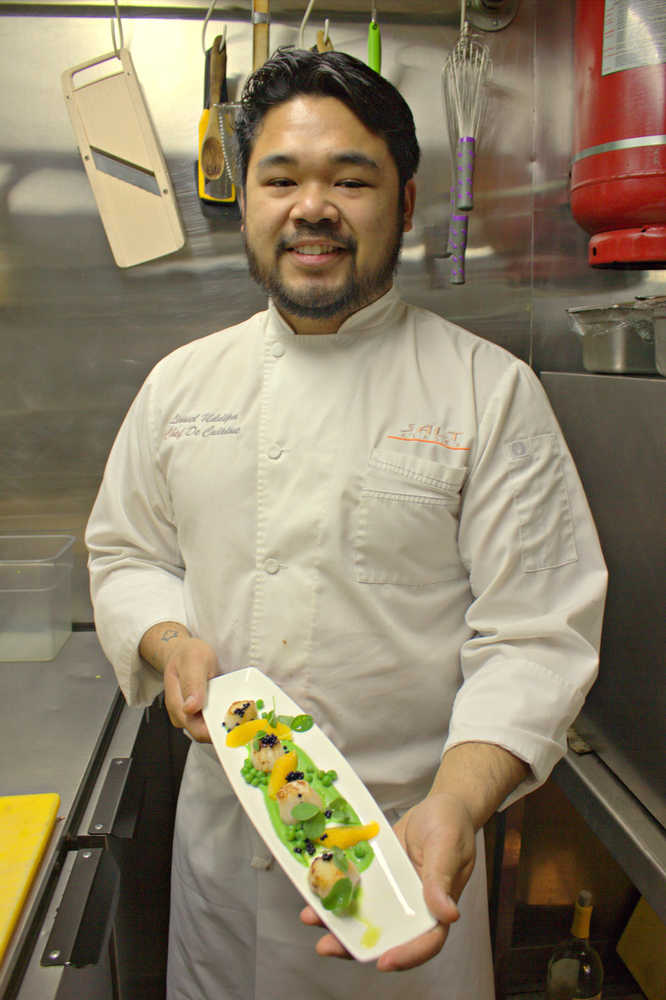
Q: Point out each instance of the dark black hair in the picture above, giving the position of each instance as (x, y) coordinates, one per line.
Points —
(373, 100)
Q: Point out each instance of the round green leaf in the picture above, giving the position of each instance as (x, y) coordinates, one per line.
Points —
(340, 895)
(301, 723)
(304, 810)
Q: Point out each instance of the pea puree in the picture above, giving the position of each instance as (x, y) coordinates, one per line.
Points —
(292, 837)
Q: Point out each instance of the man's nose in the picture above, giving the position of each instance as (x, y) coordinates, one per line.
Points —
(313, 203)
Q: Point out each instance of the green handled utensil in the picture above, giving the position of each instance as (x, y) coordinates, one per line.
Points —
(374, 42)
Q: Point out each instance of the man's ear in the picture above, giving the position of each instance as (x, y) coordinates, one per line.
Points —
(409, 200)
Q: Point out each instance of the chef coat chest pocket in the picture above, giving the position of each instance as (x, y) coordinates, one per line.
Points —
(407, 521)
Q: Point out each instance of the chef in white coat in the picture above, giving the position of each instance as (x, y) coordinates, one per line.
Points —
(376, 508)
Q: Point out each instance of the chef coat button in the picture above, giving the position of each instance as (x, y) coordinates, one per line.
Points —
(278, 350)
(274, 451)
(272, 566)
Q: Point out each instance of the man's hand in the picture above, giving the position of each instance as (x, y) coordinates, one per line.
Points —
(187, 664)
(188, 669)
(438, 835)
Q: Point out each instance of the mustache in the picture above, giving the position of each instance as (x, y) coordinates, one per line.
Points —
(324, 230)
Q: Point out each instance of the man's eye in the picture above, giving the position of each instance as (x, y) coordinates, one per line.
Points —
(351, 183)
(280, 182)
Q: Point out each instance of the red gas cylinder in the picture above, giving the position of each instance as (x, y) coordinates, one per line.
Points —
(618, 180)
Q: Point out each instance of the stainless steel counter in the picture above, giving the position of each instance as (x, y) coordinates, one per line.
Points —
(633, 836)
(57, 720)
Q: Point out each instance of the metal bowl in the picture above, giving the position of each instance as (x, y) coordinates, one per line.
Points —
(616, 339)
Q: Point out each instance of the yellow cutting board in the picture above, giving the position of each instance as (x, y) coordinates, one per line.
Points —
(26, 824)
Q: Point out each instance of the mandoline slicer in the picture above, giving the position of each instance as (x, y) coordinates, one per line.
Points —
(123, 160)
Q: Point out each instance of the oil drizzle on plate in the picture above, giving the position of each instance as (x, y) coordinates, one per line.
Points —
(372, 933)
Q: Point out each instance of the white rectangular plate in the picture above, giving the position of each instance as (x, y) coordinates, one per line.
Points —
(391, 903)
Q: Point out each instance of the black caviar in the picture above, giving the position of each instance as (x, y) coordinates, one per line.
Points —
(268, 740)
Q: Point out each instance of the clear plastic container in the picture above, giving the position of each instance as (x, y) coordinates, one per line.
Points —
(35, 595)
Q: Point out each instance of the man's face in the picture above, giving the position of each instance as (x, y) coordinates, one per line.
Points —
(322, 219)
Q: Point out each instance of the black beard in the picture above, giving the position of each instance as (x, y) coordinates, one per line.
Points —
(321, 304)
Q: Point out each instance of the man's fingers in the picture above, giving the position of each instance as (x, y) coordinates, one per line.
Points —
(310, 917)
(186, 677)
(440, 877)
(197, 728)
(407, 956)
(328, 946)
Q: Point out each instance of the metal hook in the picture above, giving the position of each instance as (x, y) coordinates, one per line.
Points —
(301, 30)
(205, 25)
(116, 47)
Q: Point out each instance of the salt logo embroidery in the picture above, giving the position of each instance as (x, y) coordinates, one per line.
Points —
(431, 434)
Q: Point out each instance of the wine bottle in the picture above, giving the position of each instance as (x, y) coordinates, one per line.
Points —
(575, 971)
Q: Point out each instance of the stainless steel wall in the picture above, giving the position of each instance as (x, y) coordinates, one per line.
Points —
(78, 335)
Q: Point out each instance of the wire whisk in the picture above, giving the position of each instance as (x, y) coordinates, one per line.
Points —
(464, 78)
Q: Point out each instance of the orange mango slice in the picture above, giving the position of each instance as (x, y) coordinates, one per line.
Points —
(247, 731)
(281, 769)
(347, 836)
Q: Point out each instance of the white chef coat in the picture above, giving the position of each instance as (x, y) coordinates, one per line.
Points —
(386, 520)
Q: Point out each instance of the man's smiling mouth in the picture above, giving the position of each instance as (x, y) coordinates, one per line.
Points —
(316, 249)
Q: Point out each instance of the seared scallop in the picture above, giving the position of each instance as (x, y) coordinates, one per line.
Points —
(291, 795)
(324, 873)
(240, 711)
(265, 755)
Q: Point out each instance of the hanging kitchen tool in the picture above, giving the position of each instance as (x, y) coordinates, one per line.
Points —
(122, 157)
(452, 132)
(215, 190)
(211, 155)
(324, 43)
(374, 42)
(464, 78)
(261, 20)
(457, 245)
(303, 24)
(229, 112)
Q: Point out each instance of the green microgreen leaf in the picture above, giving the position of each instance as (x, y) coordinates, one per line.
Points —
(340, 859)
(286, 720)
(340, 895)
(313, 828)
(341, 811)
(301, 723)
(304, 810)
(260, 703)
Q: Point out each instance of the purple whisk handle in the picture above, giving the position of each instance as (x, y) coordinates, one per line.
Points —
(458, 243)
(465, 173)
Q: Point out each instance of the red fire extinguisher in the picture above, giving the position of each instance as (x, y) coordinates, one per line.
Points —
(618, 180)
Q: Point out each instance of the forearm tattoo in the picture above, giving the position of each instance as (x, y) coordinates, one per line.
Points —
(170, 633)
